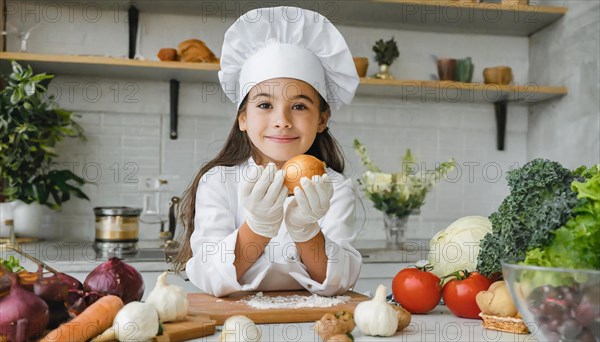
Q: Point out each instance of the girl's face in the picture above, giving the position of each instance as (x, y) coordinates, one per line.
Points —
(282, 119)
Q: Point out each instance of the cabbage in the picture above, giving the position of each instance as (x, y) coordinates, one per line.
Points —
(456, 247)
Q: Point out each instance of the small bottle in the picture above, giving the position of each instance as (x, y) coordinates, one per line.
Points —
(12, 239)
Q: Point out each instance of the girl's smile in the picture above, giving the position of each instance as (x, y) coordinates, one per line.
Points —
(283, 139)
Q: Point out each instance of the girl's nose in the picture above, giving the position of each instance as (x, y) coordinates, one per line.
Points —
(282, 119)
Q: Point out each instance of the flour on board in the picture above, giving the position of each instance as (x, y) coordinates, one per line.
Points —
(260, 301)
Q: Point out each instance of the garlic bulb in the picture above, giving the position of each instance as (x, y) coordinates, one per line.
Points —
(136, 321)
(169, 300)
(376, 317)
(239, 329)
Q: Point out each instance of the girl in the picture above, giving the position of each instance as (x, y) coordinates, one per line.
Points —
(285, 67)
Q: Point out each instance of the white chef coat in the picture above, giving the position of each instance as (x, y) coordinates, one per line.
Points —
(219, 214)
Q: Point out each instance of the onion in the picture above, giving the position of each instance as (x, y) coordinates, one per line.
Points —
(117, 278)
(22, 314)
(55, 288)
(300, 166)
(78, 300)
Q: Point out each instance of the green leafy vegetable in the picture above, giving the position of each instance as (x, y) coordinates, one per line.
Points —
(577, 243)
(540, 201)
(12, 264)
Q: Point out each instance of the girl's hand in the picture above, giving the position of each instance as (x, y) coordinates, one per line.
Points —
(263, 199)
(310, 203)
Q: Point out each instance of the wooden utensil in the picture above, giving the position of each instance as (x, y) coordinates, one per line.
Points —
(219, 309)
(190, 328)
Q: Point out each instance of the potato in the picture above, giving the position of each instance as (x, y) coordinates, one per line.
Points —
(341, 338)
(331, 325)
(404, 317)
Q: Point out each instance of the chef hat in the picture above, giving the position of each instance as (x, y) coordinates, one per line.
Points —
(287, 42)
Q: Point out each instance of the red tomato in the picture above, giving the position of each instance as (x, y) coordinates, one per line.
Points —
(417, 290)
(459, 294)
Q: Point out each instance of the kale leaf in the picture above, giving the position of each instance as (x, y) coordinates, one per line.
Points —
(540, 201)
(576, 244)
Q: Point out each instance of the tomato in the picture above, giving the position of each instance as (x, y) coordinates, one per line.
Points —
(417, 289)
(459, 293)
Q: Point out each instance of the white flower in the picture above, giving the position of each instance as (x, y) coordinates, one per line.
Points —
(377, 181)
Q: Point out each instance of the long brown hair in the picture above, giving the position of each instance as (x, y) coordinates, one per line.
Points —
(236, 150)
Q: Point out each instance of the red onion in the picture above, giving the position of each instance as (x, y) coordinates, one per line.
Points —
(117, 278)
(22, 314)
(55, 288)
(78, 300)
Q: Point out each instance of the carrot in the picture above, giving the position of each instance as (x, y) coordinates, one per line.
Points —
(91, 322)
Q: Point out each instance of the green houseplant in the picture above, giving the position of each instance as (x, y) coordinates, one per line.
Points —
(31, 124)
(385, 54)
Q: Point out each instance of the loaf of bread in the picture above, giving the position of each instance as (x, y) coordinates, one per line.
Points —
(194, 50)
(167, 54)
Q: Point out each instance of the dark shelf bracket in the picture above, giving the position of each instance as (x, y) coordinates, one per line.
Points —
(133, 15)
(174, 101)
(500, 108)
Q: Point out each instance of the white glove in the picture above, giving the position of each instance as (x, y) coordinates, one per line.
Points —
(310, 203)
(263, 199)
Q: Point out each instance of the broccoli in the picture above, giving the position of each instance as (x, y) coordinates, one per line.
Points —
(540, 201)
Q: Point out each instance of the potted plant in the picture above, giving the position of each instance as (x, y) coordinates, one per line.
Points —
(31, 124)
(398, 194)
(385, 54)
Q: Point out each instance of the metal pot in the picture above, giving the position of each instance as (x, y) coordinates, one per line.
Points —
(117, 230)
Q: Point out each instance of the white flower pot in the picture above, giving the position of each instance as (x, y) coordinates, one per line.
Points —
(28, 219)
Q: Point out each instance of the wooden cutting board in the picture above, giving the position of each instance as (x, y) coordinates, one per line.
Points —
(219, 309)
(194, 326)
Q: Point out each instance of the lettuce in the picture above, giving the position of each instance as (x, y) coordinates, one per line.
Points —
(576, 244)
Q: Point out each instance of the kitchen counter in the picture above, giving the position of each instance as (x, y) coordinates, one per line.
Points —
(381, 262)
(438, 325)
(79, 256)
(379, 251)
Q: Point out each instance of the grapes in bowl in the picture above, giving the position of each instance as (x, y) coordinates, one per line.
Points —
(556, 304)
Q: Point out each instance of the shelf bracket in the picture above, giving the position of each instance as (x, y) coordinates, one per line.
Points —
(174, 101)
(133, 15)
(500, 108)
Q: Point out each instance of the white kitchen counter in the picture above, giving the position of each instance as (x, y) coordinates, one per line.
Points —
(79, 256)
(381, 262)
(438, 325)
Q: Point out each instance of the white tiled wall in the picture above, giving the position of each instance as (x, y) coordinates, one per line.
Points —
(127, 129)
(568, 53)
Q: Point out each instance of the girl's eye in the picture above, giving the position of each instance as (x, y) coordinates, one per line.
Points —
(299, 107)
(264, 106)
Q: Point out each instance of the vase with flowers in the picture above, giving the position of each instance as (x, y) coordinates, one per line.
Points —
(385, 54)
(399, 194)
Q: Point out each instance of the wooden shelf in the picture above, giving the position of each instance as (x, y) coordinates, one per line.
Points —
(429, 91)
(452, 16)
(98, 66)
(446, 91)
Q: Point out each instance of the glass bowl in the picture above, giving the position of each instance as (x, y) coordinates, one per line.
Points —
(556, 304)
